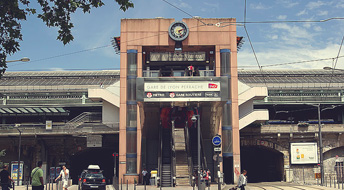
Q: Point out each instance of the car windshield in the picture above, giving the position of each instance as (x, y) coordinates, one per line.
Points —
(92, 175)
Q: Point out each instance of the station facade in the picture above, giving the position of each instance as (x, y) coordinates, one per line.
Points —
(170, 71)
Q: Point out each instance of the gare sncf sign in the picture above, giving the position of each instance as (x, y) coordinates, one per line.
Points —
(182, 91)
(201, 86)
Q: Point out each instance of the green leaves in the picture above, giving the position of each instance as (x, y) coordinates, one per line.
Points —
(54, 13)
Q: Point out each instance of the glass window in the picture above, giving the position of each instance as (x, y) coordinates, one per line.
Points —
(131, 142)
(227, 141)
(132, 64)
(131, 89)
(131, 166)
(131, 115)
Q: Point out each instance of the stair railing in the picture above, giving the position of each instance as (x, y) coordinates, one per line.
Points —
(173, 157)
(159, 180)
(203, 158)
(188, 151)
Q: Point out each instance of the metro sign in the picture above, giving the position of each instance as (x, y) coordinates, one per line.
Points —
(212, 85)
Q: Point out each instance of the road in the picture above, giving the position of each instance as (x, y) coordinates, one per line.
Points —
(250, 186)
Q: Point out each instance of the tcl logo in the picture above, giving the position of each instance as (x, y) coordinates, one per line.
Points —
(211, 85)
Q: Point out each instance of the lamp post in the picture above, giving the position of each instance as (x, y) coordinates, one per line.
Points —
(19, 151)
(196, 118)
(320, 147)
(24, 59)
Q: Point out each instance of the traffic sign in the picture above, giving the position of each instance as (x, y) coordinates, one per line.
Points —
(217, 149)
(217, 140)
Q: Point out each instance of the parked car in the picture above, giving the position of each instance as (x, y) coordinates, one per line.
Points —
(92, 178)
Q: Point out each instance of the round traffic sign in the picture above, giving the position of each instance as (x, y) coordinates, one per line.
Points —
(216, 140)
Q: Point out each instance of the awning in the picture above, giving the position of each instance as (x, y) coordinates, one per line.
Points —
(32, 111)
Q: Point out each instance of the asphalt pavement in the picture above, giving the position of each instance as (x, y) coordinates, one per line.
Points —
(250, 186)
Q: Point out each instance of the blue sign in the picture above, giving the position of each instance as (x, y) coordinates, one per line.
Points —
(217, 140)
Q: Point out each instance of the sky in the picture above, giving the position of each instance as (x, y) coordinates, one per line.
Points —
(278, 45)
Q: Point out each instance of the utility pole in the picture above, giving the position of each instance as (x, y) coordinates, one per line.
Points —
(320, 147)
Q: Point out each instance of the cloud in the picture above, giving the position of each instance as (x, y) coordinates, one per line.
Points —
(340, 4)
(182, 4)
(282, 17)
(287, 3)
(287, 57)
(56, 69)
(315, 4)
(303, 12)
(317, 28)
(259, 6)
(292, 31)
(322, 13)
(211, 7)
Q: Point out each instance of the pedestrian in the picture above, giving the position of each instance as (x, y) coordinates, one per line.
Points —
(5, 178)
(242, 180)
(208, 177)
(145, 176)
(64, 175)
(37, 177)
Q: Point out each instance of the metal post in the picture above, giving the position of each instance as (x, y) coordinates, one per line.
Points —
(127, 184)
(199, 151)
(320, 147)
(19, 150)
(218, 169)
(121, 183)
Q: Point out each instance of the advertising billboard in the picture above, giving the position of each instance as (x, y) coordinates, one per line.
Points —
(304, 153)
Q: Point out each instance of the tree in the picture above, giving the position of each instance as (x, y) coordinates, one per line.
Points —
(54, 13)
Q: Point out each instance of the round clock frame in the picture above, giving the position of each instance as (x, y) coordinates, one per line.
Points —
(178, 31)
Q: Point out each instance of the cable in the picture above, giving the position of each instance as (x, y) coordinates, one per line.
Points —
(184, 11)
(335, 64)
(279, 21)
(290, 63)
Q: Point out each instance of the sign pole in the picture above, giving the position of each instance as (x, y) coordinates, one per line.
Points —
(219, 171)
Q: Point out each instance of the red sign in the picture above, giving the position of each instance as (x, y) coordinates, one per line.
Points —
(211, 85)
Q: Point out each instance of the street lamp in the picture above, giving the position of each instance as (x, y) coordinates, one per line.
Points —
(198, 119)
(24, 59)
(19, 149)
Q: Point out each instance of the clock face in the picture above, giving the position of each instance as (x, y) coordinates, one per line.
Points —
(178, 31)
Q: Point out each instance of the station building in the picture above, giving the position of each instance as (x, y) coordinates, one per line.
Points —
(171, 71)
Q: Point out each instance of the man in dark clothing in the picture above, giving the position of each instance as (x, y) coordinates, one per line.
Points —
(5, 178)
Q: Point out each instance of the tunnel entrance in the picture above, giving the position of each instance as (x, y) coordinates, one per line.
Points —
(262, 164)
(98, 156)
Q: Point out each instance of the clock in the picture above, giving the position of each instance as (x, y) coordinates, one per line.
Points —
(178, 31)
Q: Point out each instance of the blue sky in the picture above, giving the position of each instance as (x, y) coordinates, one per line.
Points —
(274, 43)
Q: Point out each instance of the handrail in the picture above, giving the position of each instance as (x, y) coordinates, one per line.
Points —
(160, 156)
(188, 150)
(204, 160)
(173, 155)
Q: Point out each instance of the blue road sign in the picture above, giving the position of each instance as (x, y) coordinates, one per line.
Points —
(217, 140)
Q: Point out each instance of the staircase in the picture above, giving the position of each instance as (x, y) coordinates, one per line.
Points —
(193, 146)
(166, 175)
(182, 171)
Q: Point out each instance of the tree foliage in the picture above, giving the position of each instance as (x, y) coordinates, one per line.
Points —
(54, 13)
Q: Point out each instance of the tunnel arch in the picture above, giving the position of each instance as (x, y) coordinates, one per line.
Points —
(263, 164)
(98, 156)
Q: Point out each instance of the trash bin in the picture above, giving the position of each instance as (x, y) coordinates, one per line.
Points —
(154, 175)
(202, 186)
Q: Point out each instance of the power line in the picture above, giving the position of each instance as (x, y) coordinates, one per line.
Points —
(335, 64)
(277, 21)
(184, 11)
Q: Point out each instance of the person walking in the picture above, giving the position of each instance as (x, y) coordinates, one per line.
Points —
(145, 176)
(64, 175)
(5, 178)
(37, 177)
(242, 180)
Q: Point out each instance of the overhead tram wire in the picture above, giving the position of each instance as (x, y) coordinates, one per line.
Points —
(280, 21)
(335, 64)
(254, 52)
(184, 12)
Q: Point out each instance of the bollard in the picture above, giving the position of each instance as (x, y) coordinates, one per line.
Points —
(13, 184)
(144, 184)
(127, 185)
(121, 183)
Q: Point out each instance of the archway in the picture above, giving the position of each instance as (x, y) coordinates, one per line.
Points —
(98, 156)
(263, 164)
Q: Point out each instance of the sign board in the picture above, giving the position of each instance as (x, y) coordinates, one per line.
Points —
(216, 140)
(94, 140)
(14, 172)
(49, 125)
(304, 153)
(217, 149)
(182, 91)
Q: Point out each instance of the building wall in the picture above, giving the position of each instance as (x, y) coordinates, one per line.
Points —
(136, 33)
(110, 113)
